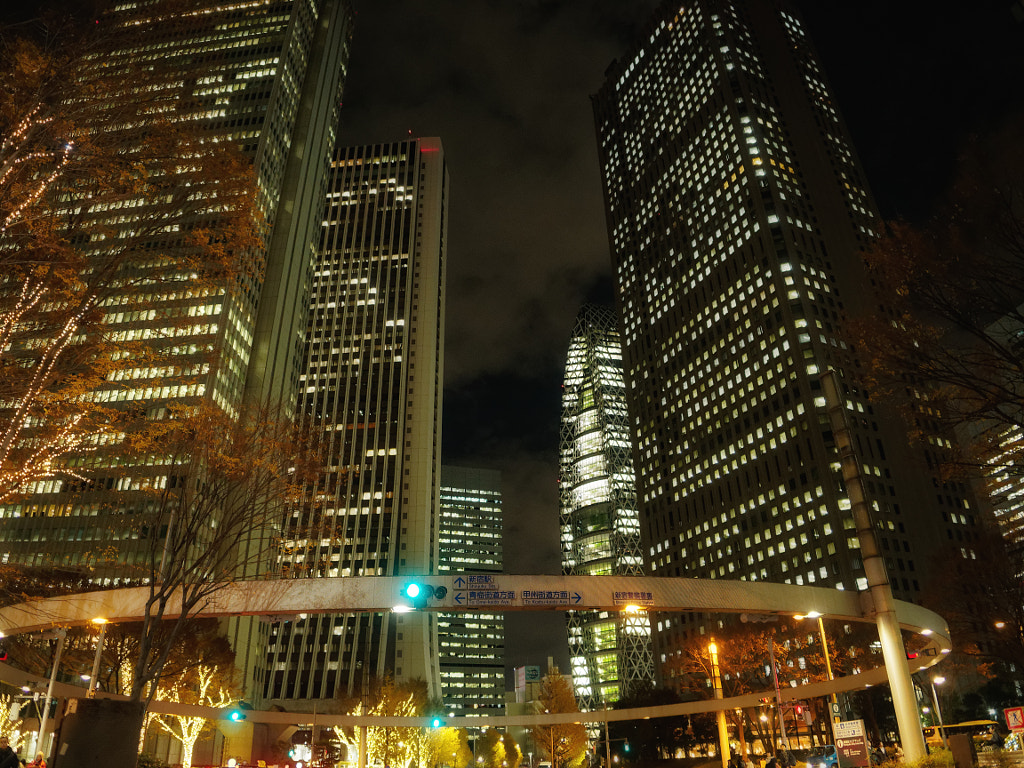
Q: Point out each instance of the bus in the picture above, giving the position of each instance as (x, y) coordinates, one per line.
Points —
(980, 731)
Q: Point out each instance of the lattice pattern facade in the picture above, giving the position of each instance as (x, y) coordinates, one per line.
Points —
(600, 529)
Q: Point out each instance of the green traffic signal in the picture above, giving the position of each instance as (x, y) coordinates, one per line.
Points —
(420, 593)
(626, 747)
(412, 590)
(437, 722)
(236, 716)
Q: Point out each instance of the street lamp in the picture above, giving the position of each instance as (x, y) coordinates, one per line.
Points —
(833, 719)
(716, 684)
(61, 634)
(939, 680)
(102, 623)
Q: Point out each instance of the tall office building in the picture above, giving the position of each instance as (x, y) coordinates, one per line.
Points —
(371, 391)
(610, 652)
(736, 213)
(472, 644)
(265, 76)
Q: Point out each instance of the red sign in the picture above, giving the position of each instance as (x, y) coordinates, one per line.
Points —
(1014, 718)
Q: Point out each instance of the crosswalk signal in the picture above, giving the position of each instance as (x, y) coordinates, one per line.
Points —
(626, 746)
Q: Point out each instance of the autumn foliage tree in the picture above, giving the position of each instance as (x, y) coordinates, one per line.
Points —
(565, 744)
(495, 749)
(744, 658)
(219, 516)
(116, 219)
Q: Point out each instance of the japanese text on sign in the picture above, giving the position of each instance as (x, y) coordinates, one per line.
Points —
(635, 598)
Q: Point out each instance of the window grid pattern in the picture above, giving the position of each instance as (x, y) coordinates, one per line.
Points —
(730, 242)
(472, 644)
(369, 350)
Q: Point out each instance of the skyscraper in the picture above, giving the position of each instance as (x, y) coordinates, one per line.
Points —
(371, 391)
(610, 653)
(472, 644)
(266, 77)
(736, 212)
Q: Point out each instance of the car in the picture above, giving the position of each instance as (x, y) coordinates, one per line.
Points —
(823, 757)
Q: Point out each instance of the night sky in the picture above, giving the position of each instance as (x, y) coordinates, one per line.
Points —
(506, 85)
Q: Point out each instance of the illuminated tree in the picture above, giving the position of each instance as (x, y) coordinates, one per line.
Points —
(201, 686)
(513, 753)
(115, 219)
(565, 744)
(490, 749)
(389, 745)
(446, 747)
(10, 728)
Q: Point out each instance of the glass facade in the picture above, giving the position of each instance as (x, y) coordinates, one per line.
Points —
(472, 644)
(736, 212)
(610, 653)
(371, 391)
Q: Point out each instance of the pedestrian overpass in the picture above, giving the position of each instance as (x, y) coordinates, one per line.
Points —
(289, 598)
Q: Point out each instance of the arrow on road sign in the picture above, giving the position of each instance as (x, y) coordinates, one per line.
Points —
(458, 599)
(576, 597)
(460, 582)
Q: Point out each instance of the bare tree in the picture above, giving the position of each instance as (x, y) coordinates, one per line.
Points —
(948, 339)
(216, 516)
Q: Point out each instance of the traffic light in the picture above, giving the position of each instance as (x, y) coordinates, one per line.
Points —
(625, 746)
(236, 714)
(799, 709)
(912, 654)
(420, 594)
(436, 722)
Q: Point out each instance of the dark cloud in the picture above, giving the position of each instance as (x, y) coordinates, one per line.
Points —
(506, 86)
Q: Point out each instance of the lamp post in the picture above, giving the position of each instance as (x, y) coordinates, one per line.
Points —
(60, 634)
(99, 620)
(716, 684)
(939, 680)
(832, 718)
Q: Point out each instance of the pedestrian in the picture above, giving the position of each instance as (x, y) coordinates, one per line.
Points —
(8, 757)
(39, 762)
(897, 752)
(773, 763)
